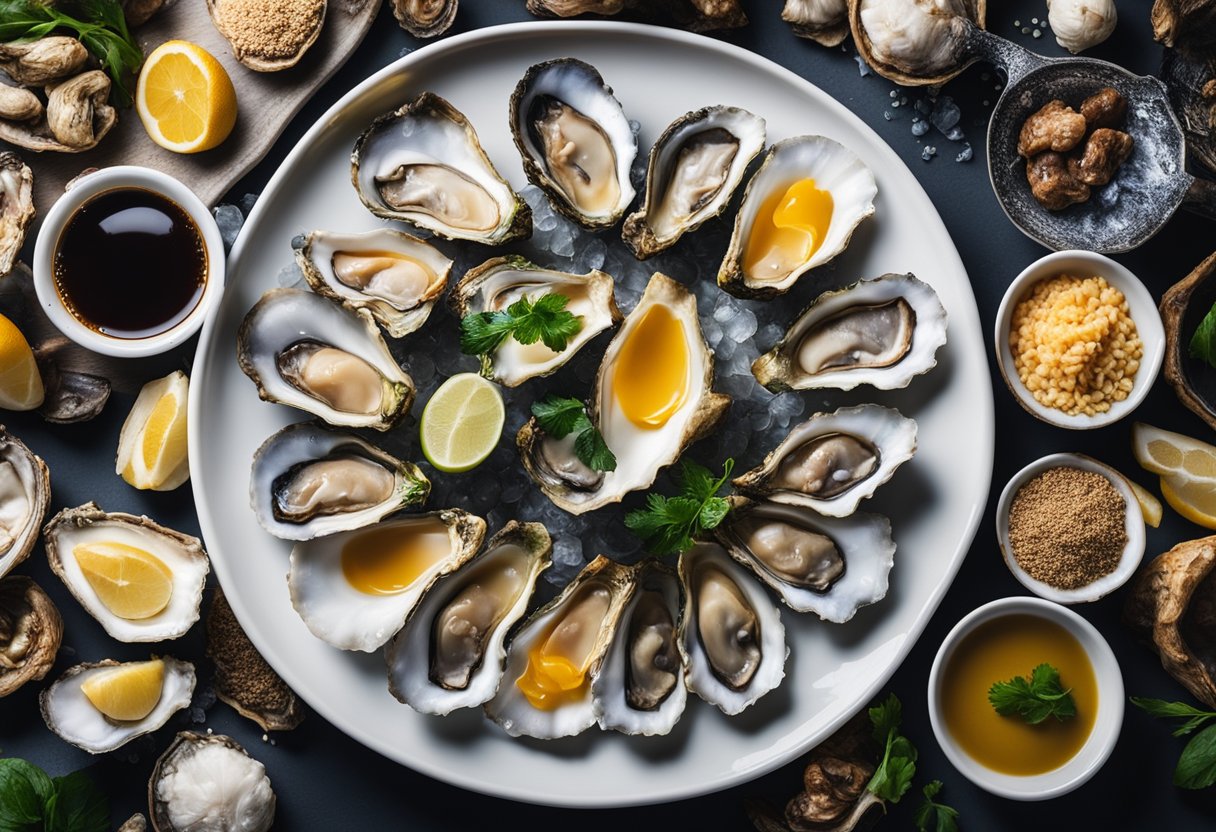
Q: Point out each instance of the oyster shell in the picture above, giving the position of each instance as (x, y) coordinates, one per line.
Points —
(180, 554)
(577, 146)
(209, 781)
(425, 18)
(915, 42)
(423, 164)
(823, 21)
(653, 398)
(37, 62)
(395, 277)
(1183, 307)
(571, 634)
(355, 589)
(694, 169)
(25, 493)
(305, 351)
(833, 461)
(30, 632)
(16, 207)
(835, 193)
(640, 687)
(881, 332)
(70, 714)
(731, 635)
(451, 650)
(78, 116)
(309, 481)
(830, 566)
(1189, 25)
(497, 283)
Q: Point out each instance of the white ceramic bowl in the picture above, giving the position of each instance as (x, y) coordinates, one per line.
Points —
(1143, 311)
(84, 189)
(1133, 524)
(1097, 748)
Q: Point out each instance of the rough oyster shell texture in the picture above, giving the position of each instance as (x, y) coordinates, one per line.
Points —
(16, 207)
(210, 776)
(25, 493)
(823, 21)
(915, 42)
(31, 630)
(1183, 306)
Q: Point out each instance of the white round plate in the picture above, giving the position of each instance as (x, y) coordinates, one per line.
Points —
(935, 502)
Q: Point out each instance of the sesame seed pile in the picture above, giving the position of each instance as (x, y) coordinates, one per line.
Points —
(269, 29)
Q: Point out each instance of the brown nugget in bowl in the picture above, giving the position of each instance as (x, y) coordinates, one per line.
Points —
(1052, 184)
(1105, 150)
(1055, 127)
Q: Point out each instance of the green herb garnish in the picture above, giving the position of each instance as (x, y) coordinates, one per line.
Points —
(30, 801)
(898, 765)
(1196, 767)
(1203, 342)
(931, 816)
(669, 524)
(559, 417)
(99, 24)
(545, 319)
(1034, 699)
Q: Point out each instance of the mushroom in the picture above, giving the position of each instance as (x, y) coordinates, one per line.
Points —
(36, 62)
(16, 207)
(1173, 602)
(30, 632)
(1081, 24)
(1183, 306)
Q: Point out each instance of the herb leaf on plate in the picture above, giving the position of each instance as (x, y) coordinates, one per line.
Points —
(897, 767)
(669, 525)
(561, 416)
(544, 319)
(1035, 698)
(931, 816)
(1203, 342)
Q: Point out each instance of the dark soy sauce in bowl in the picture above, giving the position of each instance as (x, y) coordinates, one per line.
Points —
(130, 264)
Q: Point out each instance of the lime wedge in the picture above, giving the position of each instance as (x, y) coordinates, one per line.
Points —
(462, 423)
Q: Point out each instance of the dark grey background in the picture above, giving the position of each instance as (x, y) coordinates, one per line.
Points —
(326, 781)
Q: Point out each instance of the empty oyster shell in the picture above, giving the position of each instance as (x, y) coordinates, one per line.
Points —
(34, 63)
(830, 566)
(570, 634)
(451, 650)
(309, 481)
(915, 42)
(423, 164)
(395, 277)
(640, 688)
(272, 41)
(70, 714)
(882, 332)
(823, 21)
(77, 117)
(577, 146)
(731, 633)
(425, 18)
(16, 207)
(209, 777)
(308, 352)
(694, 169)
(30, 632)
(25, 493)
(833, 461)
(766, 257)
(497, 283)
(1183, 307)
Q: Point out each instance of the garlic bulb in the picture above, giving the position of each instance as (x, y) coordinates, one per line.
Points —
(1080, 24)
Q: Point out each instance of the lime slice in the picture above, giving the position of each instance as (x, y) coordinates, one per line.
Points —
(462, 423)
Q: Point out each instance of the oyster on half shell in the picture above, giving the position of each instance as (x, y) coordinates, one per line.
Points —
(424, 164)
(25, 493)
(882, 332)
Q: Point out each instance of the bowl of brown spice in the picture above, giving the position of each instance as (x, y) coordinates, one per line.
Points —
(1078, 340)
(1070, 528)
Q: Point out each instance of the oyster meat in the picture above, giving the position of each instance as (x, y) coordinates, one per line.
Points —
(830, 566)
(881, 332)
(555, 657)
(16, 207)
(206, 782)
(25, 493)
(693, 171)
(577, 146)
(496, 284)
(451, 650)
(799, 212)
(653, 398)
(424, 164)
(832, 461)
(823, 21)
(915, 42)
(395, 277)
(309, 481)
(731, 633)
(31, 630)
(305, 351)
(355, 589)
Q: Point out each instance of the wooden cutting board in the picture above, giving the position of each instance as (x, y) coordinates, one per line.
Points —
(266, 102)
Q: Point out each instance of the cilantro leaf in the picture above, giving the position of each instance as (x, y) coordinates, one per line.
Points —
(77, 806)
(1203, 342)
(483, 332)
(544, 319)
(895, 770)
(1034, 699)
(592, 450)
(1159, 708)
(669, 525)
(560, 416)
(931, 816)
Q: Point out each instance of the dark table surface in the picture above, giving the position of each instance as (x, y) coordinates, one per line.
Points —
(325, 781)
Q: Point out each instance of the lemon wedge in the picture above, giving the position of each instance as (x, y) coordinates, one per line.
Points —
(126, 692)
(1187, 468)
(462, 423)
(20, 381)
(152, 451)
(185, 98)
(132, 583)
(1150, 506)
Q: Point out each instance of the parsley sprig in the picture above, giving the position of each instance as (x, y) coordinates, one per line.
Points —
(931, 816)
(544, 319)
(898, 764)
(98, 24)
(559, 417)
(1196, 767)
(1035, 698)
(669, 524)
(30, 801)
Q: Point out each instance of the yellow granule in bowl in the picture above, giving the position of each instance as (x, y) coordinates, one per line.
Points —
(1075, 345)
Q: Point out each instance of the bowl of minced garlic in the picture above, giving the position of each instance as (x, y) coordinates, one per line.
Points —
(1079, 340)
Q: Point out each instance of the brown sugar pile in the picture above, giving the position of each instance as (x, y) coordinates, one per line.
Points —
(269, 29)
(1066, 527)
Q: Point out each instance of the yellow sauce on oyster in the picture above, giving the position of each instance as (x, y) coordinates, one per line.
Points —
(559, 662)
(789, 228)
(651, 377)
(387, 560)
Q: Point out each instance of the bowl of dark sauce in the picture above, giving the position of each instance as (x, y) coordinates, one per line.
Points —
(128, 262)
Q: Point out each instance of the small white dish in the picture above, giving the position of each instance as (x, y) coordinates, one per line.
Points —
(1107, 723)
(1133, 524)
(1143, 311)
(81, 191)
